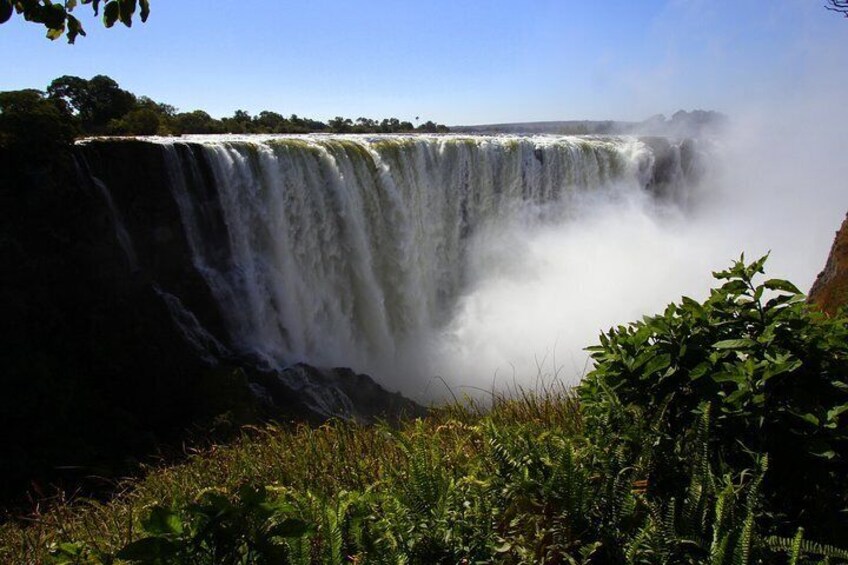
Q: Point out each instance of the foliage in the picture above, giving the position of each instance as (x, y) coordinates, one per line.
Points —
(99, 106)
(33, 126)
(94, 102)
(523, 481)
(838, 6)
(774, 372)
(57, 16)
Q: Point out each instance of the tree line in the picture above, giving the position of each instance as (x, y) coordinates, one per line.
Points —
(99, 106)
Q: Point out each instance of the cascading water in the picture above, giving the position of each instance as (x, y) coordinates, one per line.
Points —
(353, 250)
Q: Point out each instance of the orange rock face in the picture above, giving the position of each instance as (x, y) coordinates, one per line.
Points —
(830, 291)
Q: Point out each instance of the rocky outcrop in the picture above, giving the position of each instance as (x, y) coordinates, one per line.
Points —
(313, 394)
(676, 166)
(830, 290)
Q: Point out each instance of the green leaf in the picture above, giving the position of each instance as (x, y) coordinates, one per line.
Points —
(111, 13)
(735, 287)
(290, 528)
(127, 9)
(693, 305)
(95, 4)
(840, 385)
(743, 343)
(737, 397)
(781, 368)
(700, 370)
(808, 417)
(145, 9)
(162, 521)
(823, 450)
(74, 29)
(5, 10)
(250, 495)
(780, 284)
(757, 266)
(834, 413)
(212, 503)
(68, 549)
(148, 550)
(55, 33)
(658, 363)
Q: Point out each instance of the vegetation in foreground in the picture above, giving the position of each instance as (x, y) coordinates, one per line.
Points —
(712, 433)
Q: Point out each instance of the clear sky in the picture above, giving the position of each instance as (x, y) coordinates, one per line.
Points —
(453, 61)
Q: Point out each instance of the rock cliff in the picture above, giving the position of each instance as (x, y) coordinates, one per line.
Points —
(830, 289)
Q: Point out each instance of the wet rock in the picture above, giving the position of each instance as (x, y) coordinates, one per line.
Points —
(316, 395)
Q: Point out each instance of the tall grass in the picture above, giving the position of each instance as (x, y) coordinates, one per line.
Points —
(338, 456)
(513, 481)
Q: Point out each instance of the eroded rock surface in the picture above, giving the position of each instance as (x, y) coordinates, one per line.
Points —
(830, 290)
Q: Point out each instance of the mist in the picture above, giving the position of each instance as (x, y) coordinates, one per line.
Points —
(539, 294)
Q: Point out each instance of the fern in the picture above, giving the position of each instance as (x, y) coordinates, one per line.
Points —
(796, 551)
(798, 546)
(722, 523)
(742, 555)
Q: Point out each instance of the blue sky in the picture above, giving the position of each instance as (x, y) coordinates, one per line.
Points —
(456, 62)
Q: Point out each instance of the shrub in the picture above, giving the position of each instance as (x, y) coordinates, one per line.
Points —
(775, 373)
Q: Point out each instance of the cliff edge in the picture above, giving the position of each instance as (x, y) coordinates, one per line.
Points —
(830, 290)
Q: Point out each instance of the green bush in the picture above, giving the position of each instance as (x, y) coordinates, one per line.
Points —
(775, 373)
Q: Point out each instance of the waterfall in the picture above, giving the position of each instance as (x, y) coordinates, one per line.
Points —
(344, 250)
(124, 240)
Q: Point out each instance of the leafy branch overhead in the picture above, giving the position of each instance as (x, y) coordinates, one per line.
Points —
(57, 17)
(840, 6)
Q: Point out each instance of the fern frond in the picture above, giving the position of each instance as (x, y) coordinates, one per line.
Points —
(668, 534)
(742, 555)
(796, 551)
(798, 546)
(718, 550)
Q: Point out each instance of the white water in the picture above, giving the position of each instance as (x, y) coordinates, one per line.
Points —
(408, 257)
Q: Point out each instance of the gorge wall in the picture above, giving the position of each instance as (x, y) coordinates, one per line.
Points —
(830, 289)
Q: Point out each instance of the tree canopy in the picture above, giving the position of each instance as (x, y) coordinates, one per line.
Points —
(57, 17)
(95, 102)
(99, 106)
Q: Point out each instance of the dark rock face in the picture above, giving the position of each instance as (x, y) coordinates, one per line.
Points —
(158, 251)
(95, 373)
(111, 345)
(830, 289)
(316, 394)
(133, 175)
(676, 165)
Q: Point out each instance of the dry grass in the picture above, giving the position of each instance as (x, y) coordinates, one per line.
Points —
(334, 457)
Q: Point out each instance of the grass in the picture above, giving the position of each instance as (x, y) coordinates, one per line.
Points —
(337, 456)
(516, 482)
